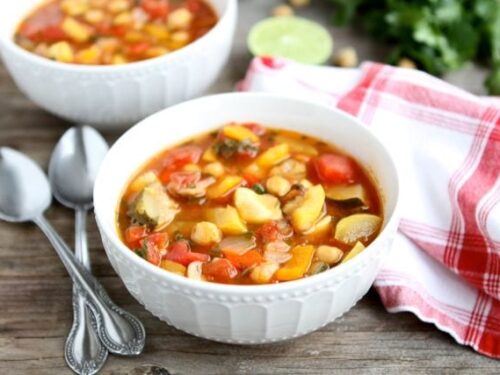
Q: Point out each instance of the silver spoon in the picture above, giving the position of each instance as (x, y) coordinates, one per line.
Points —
(24, 196)
(72, 171)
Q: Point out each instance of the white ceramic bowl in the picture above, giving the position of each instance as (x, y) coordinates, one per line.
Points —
(116, 96)
(243, 314)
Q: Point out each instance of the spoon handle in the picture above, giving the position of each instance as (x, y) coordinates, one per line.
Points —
(84, 352)
(81, 245)
(121, 332)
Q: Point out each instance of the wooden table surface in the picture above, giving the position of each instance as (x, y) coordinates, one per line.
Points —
(35, 292)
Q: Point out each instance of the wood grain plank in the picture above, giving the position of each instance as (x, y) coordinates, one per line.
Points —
(35, 292)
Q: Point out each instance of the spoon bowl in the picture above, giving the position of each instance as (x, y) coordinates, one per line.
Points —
(74, 166)
(21, 201)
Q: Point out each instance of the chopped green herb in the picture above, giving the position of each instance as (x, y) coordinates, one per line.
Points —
(318, 267)
(259, 188)
(178, 236)
(141, 252)
(247, 147)
(226, 148)
(248, 235)
(439, 35)
(215, 252)
(246, 271)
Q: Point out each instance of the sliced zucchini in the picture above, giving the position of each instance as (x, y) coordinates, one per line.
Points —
(155, 207)
(317, 267)
(358, 227)
(357, 249)
(349, 194)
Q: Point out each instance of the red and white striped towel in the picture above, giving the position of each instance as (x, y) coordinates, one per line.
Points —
(445, 263)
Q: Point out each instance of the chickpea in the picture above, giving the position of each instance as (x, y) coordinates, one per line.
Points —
(306, 184)
(329, 254)
(283, 11)
(194, 271)
(407, 63)
(206, 233)
(124, 18)
(74, 7)
(180, 37)
(98, 3)
(94, 16)
(215, 169)
(179, 19)
(61, 51)
(263, 273)
(300, 3)
(119, 60)
(278, 185)
(118, 6)
(347, 58)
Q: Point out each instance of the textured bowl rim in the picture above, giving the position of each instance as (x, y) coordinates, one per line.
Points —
(303, 283)
(8, 41)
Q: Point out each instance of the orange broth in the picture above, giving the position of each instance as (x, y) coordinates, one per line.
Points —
(113, 32)
(281, 232)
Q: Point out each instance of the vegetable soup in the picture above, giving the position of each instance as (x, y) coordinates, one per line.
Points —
(250, 205)
(105, 32)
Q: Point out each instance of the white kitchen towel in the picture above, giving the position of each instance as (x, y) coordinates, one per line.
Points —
(445, 263)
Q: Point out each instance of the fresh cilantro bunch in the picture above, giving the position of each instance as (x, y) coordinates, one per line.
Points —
(439, 35)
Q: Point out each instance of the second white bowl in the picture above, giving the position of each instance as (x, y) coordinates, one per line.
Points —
(116, 96)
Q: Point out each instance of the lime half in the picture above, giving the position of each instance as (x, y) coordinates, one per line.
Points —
(291, 37)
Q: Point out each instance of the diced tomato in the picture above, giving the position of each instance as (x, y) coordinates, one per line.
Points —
(44, 24)
(249, 259)
(177, 159)
(184, 178)
(155, 246)
(49, 33)
(274, 231)
(181, 253)
(220, 270)
(137, 49)
(193, 5)
(104, 28)
(165, 175)
(153, 255)
(251, 179)
(108, 29)
(118, 30)
(180, 180)
(159, 240)
(336, 169)
(248, 153)
(184, 155)
(29, 30)
(156, 8)
(53, 34)
(257, 129)
(134, 236)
